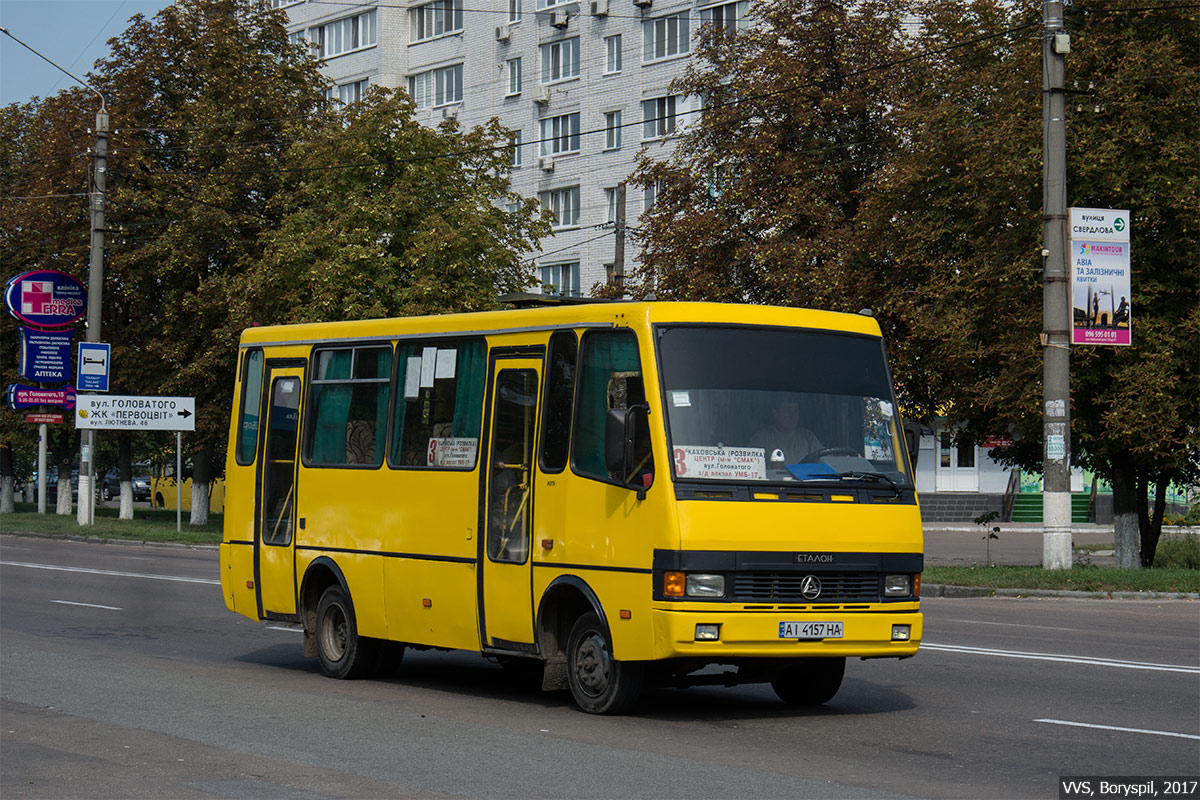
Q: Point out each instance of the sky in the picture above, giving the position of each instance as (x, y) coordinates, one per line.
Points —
(71, 33)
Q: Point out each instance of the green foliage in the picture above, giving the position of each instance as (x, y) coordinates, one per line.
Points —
(1178, 552)
(1078, 578)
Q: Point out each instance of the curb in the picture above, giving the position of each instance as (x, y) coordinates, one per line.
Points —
(950, 590)
(71, 537)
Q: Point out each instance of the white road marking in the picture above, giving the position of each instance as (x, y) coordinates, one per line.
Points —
(281, 628)
(1012, 625)
(86, 605)
(114, 573)
(1117, 728)
(1089, 660)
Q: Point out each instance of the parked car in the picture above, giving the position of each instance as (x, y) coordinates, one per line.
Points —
(112, 486)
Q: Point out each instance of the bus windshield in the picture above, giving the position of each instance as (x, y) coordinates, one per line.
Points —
(773, 404)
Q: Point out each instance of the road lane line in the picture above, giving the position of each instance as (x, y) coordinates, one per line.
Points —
(1089, 660)
(113, 573)
(86, 605)
(281, 628)
(1116, 728)
(1012, 625)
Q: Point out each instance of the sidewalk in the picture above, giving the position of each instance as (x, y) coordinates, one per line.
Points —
(1020, 543)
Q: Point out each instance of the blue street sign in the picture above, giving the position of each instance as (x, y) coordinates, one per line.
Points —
(45, 355)
(94, 362)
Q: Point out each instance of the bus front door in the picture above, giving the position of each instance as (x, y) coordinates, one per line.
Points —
(506, 615)
(275, 518)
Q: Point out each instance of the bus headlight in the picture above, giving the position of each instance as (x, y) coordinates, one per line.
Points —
(700, 585)
(897, 585)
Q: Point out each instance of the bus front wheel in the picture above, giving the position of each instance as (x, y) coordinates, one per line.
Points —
(343, 653)
(810, 681)
(599, 683)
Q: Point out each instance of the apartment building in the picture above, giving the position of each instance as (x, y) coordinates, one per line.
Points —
(584, 85)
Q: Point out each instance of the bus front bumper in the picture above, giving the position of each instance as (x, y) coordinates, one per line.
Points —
(714, 633)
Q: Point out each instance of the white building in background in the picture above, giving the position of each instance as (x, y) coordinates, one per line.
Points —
(584, 85)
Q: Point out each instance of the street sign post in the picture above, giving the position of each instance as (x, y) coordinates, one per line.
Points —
(133, 413)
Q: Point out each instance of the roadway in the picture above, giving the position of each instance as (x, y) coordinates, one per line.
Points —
(123, 675)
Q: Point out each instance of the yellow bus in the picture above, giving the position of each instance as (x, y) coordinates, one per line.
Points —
(625, 494)
(163, 492)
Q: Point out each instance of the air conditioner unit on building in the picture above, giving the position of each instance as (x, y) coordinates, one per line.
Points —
(546, 163)
(503, 33)
(450, 112)
(643, 3)
(599, 8)
(543, 96)
(559, 19)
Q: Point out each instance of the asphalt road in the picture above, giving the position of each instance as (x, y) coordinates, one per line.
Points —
(122, 675)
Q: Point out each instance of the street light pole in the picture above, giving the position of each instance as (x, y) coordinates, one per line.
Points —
(96, 200)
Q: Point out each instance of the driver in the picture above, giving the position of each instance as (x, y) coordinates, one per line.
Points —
(785, 440)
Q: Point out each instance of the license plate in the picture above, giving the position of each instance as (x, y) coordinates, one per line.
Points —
(810, 630)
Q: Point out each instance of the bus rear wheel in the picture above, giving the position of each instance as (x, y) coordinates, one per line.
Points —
(342, 652)
(599, 683)
(810, 681)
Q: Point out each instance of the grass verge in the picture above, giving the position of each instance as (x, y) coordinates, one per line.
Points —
(1078, 578)
(147, 525)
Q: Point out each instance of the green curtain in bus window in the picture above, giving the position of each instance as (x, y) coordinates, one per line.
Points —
(468, 392)
(331, 408)
(603, 354)
(381, 409)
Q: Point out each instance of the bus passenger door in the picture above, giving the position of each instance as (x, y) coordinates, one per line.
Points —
(275, 503)
(506, 613)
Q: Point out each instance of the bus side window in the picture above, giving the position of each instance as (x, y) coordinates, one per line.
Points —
(559, 400)
(439, 404)
(610, 378)
(349, 403)
(252, 378)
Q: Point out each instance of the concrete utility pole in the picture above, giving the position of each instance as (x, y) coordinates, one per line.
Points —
(618, 276)
(1056, 310)
(87, 449)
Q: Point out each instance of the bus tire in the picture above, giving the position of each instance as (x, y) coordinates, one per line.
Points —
(809, 681)
(600, 683)
(342, 652)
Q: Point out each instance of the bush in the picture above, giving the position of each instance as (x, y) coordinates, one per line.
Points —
(1181, 552)
(1193, 515)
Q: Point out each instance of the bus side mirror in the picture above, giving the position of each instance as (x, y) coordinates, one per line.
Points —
(627, 453)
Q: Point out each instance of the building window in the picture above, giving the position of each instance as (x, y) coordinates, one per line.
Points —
(612, 54)
(658, 117)
(514, 159)
(612, 130)
(560, 134)
(435, 19)
(297, 38)
(514, 76)
(665, 37)
(551, 3)
(560, 60)
(438, 87)
(352, 92)
(564, 205)
(731, 17)
(284, 3)
(650, 194)
(610, 205)
(514, 10)
(561, 279)
(345, 35)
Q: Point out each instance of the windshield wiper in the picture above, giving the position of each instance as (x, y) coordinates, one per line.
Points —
(872, 476)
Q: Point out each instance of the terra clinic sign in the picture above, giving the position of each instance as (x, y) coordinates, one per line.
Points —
(1100, 276)
(45, 298)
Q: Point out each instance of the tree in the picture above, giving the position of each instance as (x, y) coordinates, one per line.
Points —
(44, 224)
(759, 199)
(393, 218)
(841, 164)
(209, 97)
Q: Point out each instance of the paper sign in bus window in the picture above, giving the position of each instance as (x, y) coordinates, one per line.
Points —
(728, 463)
(412, 378)
(452, 452)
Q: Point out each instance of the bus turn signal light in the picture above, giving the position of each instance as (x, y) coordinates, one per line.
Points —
(673, 584)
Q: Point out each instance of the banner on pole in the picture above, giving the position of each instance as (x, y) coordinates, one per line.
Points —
(1101, 296)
